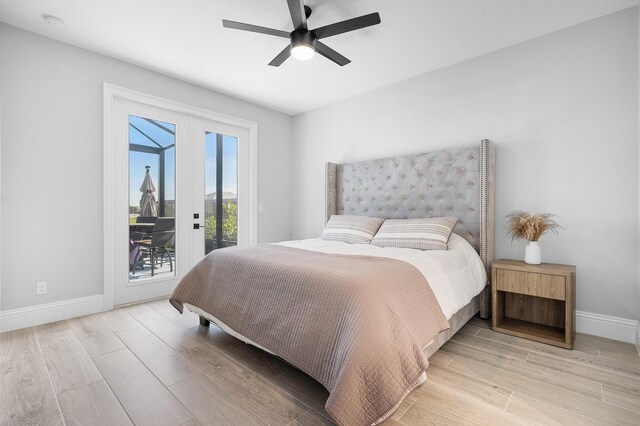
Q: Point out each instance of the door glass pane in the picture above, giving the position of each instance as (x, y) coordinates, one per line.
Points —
(152, 201)
(221, 191)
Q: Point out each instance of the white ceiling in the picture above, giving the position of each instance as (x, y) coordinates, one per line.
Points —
(185, 39)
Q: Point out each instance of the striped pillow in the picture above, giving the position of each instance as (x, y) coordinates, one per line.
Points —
(351, 229)
(423, 234)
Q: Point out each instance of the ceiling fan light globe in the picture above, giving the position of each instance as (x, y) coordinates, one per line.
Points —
(303, 51)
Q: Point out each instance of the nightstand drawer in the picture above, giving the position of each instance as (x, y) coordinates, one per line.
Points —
(531, 283)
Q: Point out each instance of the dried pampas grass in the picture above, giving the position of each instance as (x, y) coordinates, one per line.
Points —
(527, 226)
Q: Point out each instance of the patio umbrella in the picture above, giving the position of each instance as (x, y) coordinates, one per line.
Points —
(148, 207)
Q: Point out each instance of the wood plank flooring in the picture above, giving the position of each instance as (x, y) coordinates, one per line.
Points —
(147, 364)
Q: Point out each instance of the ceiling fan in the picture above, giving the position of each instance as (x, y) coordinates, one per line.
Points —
(303, 41)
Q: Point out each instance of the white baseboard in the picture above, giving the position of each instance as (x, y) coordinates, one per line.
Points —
(607, 326)
(638, 338)
(49, 312)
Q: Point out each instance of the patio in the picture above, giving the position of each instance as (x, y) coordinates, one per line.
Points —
(143, 271)
(151, 221)
(152, 161)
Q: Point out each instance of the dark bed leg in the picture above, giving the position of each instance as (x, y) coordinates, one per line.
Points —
(204, 321)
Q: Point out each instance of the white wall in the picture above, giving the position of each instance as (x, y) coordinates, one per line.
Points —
(52, 162)
(563, 111)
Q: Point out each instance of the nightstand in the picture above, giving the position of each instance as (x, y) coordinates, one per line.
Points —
(536, 302)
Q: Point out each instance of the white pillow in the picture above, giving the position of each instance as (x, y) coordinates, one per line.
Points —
(351, 229)
(423, 234)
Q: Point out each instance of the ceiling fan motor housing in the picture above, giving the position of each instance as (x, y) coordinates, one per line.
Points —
(303, 38)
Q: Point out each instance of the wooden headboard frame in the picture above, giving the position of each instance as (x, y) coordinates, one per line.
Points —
(455, 182)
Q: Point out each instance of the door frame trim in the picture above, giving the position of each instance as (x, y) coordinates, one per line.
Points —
(110, 94)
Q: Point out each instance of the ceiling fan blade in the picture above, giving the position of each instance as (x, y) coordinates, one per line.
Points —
(331, 54)
(348, 25)
(254, 28)
(298, 16)
(282, 56)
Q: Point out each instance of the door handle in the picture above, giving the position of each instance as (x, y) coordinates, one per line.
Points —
(196, 226)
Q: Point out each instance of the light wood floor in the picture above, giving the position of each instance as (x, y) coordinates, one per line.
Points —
(146, 364)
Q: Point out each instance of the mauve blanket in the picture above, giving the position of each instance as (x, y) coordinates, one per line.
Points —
(357, 324)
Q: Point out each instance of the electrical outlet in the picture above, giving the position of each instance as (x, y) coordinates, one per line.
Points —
(41, 287)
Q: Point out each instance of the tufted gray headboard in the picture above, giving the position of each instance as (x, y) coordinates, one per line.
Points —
(455, 182)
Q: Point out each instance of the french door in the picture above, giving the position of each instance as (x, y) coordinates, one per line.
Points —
(219, 150)
(181, 188)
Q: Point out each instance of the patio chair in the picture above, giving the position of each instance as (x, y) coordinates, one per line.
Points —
(159, 242)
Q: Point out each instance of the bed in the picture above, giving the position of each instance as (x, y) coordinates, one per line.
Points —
(332, 313)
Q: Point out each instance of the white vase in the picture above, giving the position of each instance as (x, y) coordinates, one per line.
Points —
(532, 253)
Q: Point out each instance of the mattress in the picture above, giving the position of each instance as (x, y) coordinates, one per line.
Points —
(456, 275)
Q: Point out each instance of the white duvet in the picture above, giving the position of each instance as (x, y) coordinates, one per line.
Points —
(456, 275)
